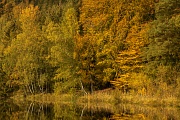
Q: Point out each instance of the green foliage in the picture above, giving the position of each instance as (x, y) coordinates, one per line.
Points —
(25, 58)
(162, 52)
(62, 39)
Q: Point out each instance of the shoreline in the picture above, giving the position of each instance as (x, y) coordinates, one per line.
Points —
(112, 97)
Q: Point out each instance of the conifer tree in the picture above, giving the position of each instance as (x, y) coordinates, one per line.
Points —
(162, 52)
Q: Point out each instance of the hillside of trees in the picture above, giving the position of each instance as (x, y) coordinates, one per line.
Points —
(62, 46)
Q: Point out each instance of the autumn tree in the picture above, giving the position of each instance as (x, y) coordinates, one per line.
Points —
(61, 36)
(9, 30)
(25, 58)
(134, 24)
(111, 38)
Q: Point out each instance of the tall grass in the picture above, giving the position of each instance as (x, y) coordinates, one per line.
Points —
(117, 97)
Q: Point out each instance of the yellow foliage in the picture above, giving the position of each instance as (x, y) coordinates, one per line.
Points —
(28, 17)
(108, 25)
(29, 12)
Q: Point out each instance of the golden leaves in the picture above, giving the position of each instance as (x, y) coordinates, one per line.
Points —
(28, 17)
(29, 12)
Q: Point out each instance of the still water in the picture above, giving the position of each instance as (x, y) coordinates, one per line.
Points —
(58, 111)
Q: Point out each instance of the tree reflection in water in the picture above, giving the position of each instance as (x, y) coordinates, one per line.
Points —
(10, 111)
(56, 111)
(39, 111)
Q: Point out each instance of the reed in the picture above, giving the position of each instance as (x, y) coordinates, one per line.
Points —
(117, 97)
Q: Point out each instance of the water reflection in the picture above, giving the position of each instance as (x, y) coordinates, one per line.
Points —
(10, 111)
(39, 111)
(25, 111)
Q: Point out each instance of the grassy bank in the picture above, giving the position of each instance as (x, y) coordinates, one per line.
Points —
(116, 97)
(46, 98)
(109, 97)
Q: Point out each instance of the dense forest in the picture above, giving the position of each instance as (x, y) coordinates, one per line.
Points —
(65, 46)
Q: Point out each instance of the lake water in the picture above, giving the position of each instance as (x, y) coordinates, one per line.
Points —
(96, 111)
